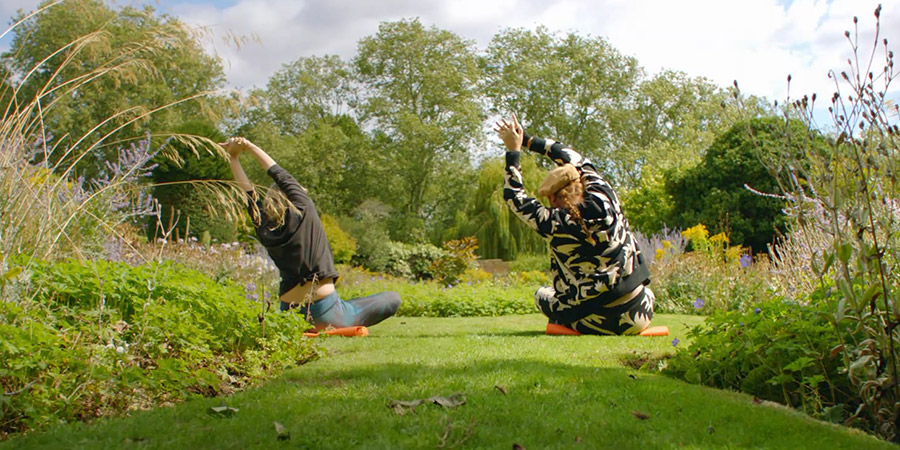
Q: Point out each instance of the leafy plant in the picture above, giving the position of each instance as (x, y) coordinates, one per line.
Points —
(780, 350)
(845, 189)
(103, 338)
(459, 256)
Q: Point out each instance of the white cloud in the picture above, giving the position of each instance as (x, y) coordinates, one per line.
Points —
(756, 42)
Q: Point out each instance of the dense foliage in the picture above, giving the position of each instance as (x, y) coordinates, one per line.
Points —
(780, 350)
(717, 191)
(96, 339)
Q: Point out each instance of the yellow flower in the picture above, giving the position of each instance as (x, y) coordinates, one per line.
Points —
(734, 253)
(720, 238)
(696, 233)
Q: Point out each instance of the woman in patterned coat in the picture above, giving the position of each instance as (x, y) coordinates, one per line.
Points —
(599, 275)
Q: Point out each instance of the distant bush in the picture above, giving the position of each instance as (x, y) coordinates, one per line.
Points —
(493, 297)
(343, 246)
(530, 262)
(715, 192)
(459, 256)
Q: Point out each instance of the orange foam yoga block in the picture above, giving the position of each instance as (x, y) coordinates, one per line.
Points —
(344, 331)
(661, 330)
(562, 330)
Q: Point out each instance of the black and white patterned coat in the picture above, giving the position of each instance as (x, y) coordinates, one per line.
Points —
(585, 276)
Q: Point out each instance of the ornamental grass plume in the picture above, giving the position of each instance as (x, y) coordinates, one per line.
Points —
(48, 208)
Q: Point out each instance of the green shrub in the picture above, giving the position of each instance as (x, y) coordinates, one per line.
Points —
(102, 338)
(343, 246)
(530, 262)
(714, 192)
(780, 350)
(459, 256)
(494, 297)
(412, 260)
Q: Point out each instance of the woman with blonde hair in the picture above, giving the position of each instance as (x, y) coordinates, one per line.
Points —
(599, 275)
(288, 226)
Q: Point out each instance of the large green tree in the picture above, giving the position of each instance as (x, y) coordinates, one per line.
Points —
(305, 120)
(673, 120)
(99, 71)
(715, 192)
(421, 90)
(570, 88)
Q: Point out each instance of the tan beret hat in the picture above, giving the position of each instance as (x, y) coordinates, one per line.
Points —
(557, 179)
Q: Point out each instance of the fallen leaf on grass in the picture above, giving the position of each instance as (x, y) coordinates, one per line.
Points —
(501, 388)
(402, 407)
(283, 433)
(222, 411)
(640, 415)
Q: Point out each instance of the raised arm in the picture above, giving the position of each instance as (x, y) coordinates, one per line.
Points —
(287, 183)
(526, 208)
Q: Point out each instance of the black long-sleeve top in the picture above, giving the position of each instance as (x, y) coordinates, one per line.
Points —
(299, 248)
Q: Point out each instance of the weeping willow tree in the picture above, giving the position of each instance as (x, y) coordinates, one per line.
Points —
(499, 232)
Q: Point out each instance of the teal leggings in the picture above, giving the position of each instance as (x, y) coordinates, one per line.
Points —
(365, 311)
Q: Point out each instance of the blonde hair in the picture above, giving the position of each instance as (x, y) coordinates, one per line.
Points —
(571, 196)
(274, 208)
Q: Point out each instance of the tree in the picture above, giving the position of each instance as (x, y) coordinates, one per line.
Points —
(714, 193)
(306, 91)
(674, 119)
(499, 232)
(305, 119)
(569, 88)
(105, 70)
(422, 93)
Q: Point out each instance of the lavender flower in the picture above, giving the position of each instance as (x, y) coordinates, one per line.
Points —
(675, 342)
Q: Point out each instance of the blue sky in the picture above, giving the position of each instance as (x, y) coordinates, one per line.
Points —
(756, 42)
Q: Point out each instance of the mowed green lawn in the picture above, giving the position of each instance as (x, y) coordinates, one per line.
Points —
(520, 386)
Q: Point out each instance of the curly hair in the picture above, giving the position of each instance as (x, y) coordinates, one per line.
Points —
(571, 196)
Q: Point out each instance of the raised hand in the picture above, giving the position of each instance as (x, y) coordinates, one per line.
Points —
(235, 145)
(510, 132)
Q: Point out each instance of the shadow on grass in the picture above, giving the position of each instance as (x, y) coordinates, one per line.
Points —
(533, 403)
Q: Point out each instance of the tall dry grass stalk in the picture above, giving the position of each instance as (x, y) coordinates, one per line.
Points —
(47, 210)
(845, 196)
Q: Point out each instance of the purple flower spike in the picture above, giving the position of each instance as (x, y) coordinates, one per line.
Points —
(675, 342)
